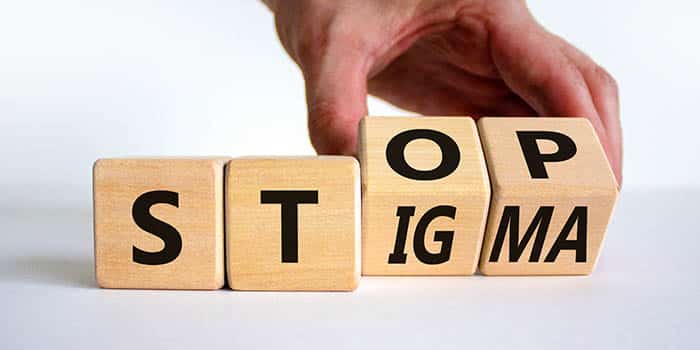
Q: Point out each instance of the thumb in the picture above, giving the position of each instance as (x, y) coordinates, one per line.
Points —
(336, 96)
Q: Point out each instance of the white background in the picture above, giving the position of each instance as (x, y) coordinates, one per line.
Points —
(81, 80)
(643, 295)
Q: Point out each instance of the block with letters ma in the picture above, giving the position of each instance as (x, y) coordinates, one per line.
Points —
(425, 195)
(158, 222)
(553, 193)
(293, 223)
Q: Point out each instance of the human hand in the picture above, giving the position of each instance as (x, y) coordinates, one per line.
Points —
(439, 57)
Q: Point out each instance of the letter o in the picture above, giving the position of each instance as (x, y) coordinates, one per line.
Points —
(395, 155)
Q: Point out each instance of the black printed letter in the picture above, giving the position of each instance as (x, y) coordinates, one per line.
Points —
(511, 215)
(397, 160)
(440, 236)
(140, 212)
(404, 214)
(290, 201)
(580, 216)
(535, 160)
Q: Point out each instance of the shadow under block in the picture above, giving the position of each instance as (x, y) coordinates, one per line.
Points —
(553, 196)
(425, 195)
(159, 223)
(293, 223)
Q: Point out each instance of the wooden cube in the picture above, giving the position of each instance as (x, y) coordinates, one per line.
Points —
(293, 223)
(425, 195)
(553, 196)
(159, 223)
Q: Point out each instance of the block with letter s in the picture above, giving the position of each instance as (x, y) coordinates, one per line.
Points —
(158, 222)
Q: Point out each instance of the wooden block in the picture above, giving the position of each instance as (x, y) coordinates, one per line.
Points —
(293, 223)
(159, 223)
(553, 196)
(425, 195)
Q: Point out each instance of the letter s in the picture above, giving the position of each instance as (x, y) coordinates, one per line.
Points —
(140, 212)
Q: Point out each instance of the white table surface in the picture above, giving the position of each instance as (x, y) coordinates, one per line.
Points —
(643, 294)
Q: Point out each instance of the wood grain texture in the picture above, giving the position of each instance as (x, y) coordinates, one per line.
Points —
(198, 218)
(328, 232)
(584, 180)
(384, 190)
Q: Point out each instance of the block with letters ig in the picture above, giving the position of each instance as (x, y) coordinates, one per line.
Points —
(158, 223)
(425, 195)
(293, 223)
(553, 196)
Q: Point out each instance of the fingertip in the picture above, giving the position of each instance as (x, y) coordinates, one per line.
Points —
(333, 143)
(612, 154)
(616, 163)
(336, 92)
(331, 133)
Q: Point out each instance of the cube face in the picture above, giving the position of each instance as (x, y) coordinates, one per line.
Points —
(553, 196)
(293, 223)
(425, 195)
(159, 223)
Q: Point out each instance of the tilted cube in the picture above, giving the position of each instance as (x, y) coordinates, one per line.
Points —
(553, 196)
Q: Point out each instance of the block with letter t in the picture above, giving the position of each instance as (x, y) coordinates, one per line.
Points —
(425, 195)
(293, 223)
(159, 222)
(553, 193)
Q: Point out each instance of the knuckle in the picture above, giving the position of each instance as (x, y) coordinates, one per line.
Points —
(311, 44)
(338, 33)
(344, 35)
(311, 30)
